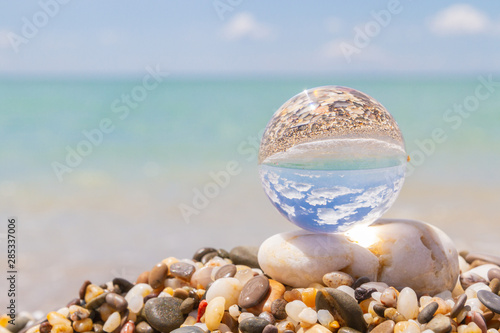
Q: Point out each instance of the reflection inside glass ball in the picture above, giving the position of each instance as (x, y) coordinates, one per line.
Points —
(332, 158)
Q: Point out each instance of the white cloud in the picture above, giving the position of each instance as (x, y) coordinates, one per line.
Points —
(289, 210)
(244, 25)
(460, 19)
(4, 39)
(322, 196)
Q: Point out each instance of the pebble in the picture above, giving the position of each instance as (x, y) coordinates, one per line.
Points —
(314, 329)
(406, 327)
(336, 279)
(140, 289)
(385, 327)
(98, 328)
(484, 257)
(278, 308)
(268, 316)
(407, 303)
(361, 294)
(202, 277)
(56, 318)
(215, 312)
(187, 305)
(207, 257)
(163, 313)
(427, 313)
(245, 315)
(225, 271)
(481, 271)
(83, 289)
(468, 280)
(494, 273)
(325, 317)
(22, 319)
(300, 258)
(180, 293)
(490, 300)
(118, 302)
(270, 329)
(135, 303)
(61, 329)
(254, 291)
(77, 312)
(342, 306)
(128, 327)
(45, 327)
(348, 290)
(92, 291)
(389, 297)
(245, 255)
(308, 316)
(188, 329)
(472, 290)
(157, 275)
(143, 327)
(203, 251)
(229, 288)
(277, 291)
(379, 309)
(478, 319)
(112, 322)
(229, 321)
(124, 284)
(394, 315)
(347, 330)
(244, 275)
(294, 308)
(360, 281)
(459, 305)
(182, 270)
(494, 285)
(439, 324)
(83, 325)
(378, 286)
(253, 325)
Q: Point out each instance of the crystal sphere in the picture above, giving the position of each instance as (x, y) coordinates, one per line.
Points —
(332, 158)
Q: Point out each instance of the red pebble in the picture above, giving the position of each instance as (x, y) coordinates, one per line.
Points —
(129, 327)
(201, 309)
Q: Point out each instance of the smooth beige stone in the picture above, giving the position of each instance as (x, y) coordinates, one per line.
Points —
(401, 253)
(299, 258)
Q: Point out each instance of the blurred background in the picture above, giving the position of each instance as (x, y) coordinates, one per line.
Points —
(130, 131)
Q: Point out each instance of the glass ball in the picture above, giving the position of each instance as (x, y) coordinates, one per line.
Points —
(332, 158)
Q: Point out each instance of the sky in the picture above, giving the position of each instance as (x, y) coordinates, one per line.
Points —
(241, 37)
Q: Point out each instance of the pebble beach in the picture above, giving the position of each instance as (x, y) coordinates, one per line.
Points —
(228, 291)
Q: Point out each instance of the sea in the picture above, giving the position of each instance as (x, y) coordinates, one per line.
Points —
(105, 177)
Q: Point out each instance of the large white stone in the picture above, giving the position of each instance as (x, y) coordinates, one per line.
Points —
(401, 253)
(299, 258)
(414, 254)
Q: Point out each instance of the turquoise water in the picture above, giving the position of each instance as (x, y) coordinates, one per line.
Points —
(183, 125)
(180, 141)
